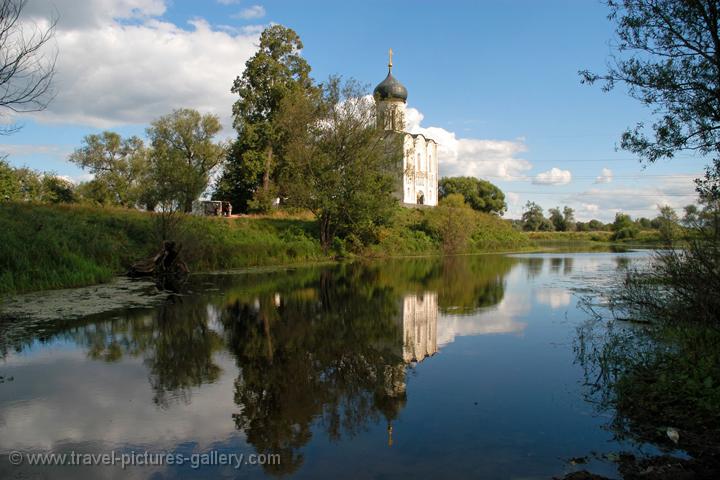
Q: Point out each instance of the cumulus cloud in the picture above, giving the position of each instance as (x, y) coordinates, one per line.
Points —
(554, 176)
(254, 11)
(72, 14)
(606, 176)
(26, 149)
(640, 200)
(471, 156)
(120, 64)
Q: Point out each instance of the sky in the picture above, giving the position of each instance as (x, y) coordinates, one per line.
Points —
(494, 82)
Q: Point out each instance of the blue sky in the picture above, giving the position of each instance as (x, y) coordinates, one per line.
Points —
(494, 82)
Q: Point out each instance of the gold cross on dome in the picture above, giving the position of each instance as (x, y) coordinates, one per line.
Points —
(390, 52)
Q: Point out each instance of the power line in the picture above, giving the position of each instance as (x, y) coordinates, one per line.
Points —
(634, 176)
(590, 194)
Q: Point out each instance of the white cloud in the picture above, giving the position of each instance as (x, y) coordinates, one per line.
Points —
(640, 200)
(72, 14)
(25, 150)
(112, 71)
(471, 156)
(554, 176)
(229, 2)
(254, 11)
(606, 176)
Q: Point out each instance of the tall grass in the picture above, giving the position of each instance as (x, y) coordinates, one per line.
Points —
(59, 246)
(45, 247)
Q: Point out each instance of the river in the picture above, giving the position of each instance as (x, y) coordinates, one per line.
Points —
(462, 367)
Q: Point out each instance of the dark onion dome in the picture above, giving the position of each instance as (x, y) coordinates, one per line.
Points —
(390, 89)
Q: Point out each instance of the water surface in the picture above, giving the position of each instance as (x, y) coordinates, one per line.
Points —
(422, 368)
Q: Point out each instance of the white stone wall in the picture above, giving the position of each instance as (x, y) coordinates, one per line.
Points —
(420, 170)
(391, 115)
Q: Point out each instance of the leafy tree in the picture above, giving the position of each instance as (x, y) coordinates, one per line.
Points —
(338, 163)
(668, 224)
(96, 192)
(481, 195)
(668, 56)
(623, 227)
(557, 219)
(57, 190)
(644, 223)
(9, 185)
(596, 225)
(563, 221)
(451, 219)
(254, 162)
(704, 218)
(30, 184)
(534, 220)
(183, 157)
(569, 218)
(120, 167)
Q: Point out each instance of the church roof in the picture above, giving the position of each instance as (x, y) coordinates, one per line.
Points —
(390, 89)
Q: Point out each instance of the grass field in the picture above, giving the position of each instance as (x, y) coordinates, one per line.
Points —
(59, 246)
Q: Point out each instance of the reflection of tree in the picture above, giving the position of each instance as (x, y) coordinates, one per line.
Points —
(331, 356)
(534, 266)
(651, 377)
(555, 264)
(183, 348)
(175, 341)
(463, 283)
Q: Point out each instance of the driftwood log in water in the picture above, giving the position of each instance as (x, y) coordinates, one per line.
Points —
(166, 266)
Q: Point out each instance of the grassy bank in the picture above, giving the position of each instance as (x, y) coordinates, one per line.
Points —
(46, 246)
(644, 237)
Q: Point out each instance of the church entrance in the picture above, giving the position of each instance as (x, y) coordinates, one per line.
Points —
(420, 198)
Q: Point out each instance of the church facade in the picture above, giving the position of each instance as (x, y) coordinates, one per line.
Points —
(417, 177)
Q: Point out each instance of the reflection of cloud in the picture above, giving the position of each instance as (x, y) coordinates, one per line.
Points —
(117, 408)
(555, 297)
(498, 319)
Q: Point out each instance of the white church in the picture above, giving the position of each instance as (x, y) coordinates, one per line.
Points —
(418, 175)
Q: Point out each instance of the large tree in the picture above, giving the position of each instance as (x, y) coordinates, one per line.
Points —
(534, 220)
(254, 161)
(338, 163)
(562, 220)
(668, 56)
(184, 155)
(27, 63)
(481, 195)
(120, 166)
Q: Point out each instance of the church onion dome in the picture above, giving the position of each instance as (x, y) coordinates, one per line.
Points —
(390, 89)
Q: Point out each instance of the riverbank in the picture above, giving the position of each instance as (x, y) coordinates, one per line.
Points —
(61, 246)
(643, 238)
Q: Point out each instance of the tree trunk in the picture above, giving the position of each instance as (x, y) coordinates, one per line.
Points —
(268, 167)
(326, 233)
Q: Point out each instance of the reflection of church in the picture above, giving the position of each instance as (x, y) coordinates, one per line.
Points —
(419, 326)
(417, 322)
(417, 180)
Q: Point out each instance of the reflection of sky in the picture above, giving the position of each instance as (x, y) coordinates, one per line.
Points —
(117, 404)
(500, 318)
(504, 405)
